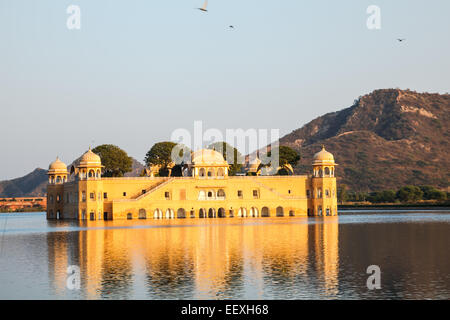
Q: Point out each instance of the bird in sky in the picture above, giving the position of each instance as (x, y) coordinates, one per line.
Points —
(205, 5)
(231, 27)
(400, 40)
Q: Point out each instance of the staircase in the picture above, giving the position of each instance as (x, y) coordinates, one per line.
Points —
(153, 189)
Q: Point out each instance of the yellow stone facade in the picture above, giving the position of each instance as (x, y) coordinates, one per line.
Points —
(207, 193)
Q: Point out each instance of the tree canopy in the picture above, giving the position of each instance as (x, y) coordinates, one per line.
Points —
(225, 149)
(287, 157)
(116, 161)
(161, 155)
(409, 193)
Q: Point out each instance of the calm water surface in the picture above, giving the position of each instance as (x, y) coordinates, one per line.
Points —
(266, 258)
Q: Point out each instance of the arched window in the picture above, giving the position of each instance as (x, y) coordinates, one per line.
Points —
(58, 179)
(202, 172)
(181, 213)
(52, 180)
(211, 172)
(327, 171)
(327, 193)
(129, 216)
(170, 214)
(280, 212)
(221, 213)
(265, 212)
(211, 213)
(211, 194)
(221, 194)
(91, 174)
(157, 214)
(319, 193)
(291, 213)
(242, 212)
(142, 214)
(201, 195)
(202, 213)
(320, 172)
(254, 212)
(220, 172)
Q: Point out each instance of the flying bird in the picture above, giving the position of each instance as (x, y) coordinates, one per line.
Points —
(204, 7)
(231, 27)
(400, 40)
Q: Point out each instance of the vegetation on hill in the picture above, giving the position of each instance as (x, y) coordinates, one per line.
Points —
(406, 194)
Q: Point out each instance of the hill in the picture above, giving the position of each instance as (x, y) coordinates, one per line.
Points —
(33, 184)
(386, 139)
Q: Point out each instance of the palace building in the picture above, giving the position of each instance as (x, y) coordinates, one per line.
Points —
(207, 192)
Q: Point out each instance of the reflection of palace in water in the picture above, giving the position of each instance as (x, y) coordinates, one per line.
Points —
(206, 191)
(170, 259)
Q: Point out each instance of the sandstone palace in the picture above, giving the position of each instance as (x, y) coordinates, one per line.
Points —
(208, 192)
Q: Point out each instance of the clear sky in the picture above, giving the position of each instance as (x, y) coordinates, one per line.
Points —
(139, 69)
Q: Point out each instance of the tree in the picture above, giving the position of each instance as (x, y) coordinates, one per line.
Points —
(342, 193)
(409, 194)
(161, 155)
(225, 149)
(116, 161)
(431, 193)
(288, 158)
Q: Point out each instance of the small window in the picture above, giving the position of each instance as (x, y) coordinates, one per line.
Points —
(83, 196)
(58, 198)
(255, 194)
(289, 191)
(144, 191)
(167, 195)
(308, 193)
(239, 194)
(51, 198)
(124, 194)
(92, 196)
(327, 193)
(105, 195)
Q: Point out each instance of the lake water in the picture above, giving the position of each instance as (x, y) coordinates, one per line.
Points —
(250, 258)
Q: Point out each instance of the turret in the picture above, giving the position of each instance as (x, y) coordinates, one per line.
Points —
(323, 192)
(57, 176)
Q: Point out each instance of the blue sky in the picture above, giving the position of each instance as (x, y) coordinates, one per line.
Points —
(137, 70)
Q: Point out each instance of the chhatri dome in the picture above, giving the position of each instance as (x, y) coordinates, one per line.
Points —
(57, 166)
(323, 157)
(207, 157)
(90, 159)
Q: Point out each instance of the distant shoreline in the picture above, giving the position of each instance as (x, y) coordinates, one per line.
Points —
(394, 207)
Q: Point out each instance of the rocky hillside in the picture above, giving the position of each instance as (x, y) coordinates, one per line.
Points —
(33, 184)
(387, 139)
